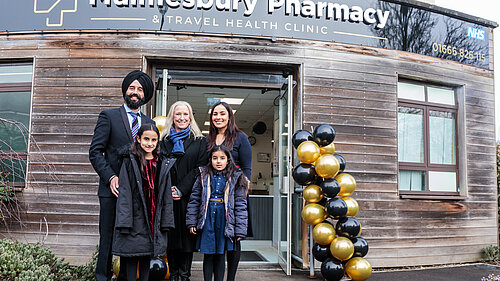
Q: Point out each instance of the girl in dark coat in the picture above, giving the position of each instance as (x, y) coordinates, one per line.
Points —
(144, 212)
(224, 131)
(217, 210)
(182, 140)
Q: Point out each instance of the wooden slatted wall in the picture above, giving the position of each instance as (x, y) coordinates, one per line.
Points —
(351, 87)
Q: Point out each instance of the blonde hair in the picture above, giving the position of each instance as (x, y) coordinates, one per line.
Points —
(195, 130)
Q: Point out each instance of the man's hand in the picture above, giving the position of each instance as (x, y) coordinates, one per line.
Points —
(192, 230)
(113, 185)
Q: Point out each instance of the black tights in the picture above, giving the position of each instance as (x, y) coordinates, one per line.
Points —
(179, 264)
(130, 266)
(213, 265)
(233, 259)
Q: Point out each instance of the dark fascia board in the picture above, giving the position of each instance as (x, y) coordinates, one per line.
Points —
(444, 11)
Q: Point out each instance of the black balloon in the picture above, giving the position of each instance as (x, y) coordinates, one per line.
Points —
(330, 187)
(348, 227)
(336, 208)
(341, 161)
(323, 201)
(304, 174)
(360, 247)
(301, 136)
(332, 269)
(324, 134)
(157, 269)
(321, 253)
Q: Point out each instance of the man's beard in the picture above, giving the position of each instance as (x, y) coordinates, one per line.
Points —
(133, 104)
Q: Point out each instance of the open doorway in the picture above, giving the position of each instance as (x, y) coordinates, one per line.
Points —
(258, 101)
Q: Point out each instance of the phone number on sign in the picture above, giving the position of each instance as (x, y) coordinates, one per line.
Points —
(456, 52)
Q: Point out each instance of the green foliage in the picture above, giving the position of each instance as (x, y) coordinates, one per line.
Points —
(498, 182)
(498, 162)
(6, 192)
(33, 262)
(492, 254)
(87, 271)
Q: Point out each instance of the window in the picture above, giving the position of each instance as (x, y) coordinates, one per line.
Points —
(15, 94)
(427, 153)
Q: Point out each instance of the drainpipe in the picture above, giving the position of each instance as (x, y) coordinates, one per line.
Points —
(311, 258)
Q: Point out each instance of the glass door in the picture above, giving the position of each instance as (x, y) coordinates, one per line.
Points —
(284, 179)
(254, 97)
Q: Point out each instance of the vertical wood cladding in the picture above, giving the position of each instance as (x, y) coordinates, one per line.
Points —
(351, 87)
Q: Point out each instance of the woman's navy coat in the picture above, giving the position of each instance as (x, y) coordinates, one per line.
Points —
(133, 236)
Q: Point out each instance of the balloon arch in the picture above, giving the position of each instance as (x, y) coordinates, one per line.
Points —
(327, 192)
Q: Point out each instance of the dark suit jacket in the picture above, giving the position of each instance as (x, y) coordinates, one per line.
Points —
(111, 133)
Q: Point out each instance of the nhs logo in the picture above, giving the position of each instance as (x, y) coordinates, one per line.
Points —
(475, 33)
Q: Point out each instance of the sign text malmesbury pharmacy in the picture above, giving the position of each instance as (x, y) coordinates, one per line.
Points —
(375, 23)
(306, 8)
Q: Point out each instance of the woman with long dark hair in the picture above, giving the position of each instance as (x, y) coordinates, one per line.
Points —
(183, 141)
(224, 131)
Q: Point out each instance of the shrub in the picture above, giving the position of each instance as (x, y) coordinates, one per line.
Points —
(498, 182)
(87, 271)
(492, 254)
(6, 192)
(33, 262)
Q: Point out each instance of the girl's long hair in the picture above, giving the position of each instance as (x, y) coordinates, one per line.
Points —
(137, 150)
(195, 130)
(231, 132)
(230, 167)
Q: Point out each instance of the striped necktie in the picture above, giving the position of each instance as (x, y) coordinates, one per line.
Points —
(135, 124)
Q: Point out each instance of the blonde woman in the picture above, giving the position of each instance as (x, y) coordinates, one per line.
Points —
(183, 141)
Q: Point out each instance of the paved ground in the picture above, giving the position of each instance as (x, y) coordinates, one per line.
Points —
(470, 272)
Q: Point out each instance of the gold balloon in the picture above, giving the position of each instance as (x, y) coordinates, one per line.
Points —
(352, 206)
(329, 149)
(167, 276)
(347, 184)
(358, 269)
(308, 152)
(313, 214)
(116, 266)
(161, 122)
(342, 248)
(312, 193)
(323, 233)
(327, 166)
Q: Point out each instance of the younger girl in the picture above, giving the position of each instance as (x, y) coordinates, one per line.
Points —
(144, 206)
(217, 210)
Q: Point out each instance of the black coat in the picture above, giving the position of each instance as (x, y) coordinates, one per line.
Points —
(111, 133)
(184, 175)
(133, 235)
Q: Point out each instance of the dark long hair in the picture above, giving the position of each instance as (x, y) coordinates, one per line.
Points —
(137, 150)
(230, 133)
(231, 166)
